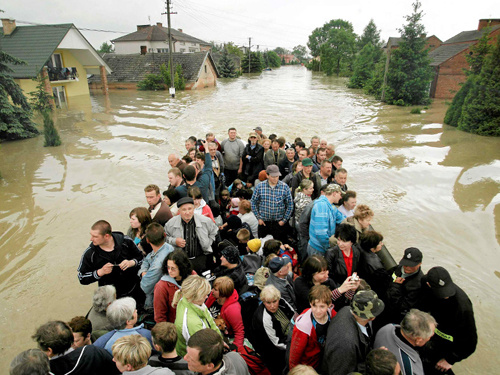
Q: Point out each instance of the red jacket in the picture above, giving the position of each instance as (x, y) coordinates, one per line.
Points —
(305, 349)
(231, 313)
(163, 296)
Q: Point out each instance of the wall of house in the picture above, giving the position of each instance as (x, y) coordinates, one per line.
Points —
(125, 48)
(208, 79)
(450, 76)
(432, 43)
(73, 88)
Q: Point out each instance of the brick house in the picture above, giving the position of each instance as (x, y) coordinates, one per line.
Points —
(199, 69)
(431, 43)
(154, 39)
(288, 58)
(449, 59)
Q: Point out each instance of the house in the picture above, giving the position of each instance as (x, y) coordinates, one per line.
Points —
(199, 69)
(288, 58)
(431, 43)
(449, 59)
(60, 52)
(154, 39)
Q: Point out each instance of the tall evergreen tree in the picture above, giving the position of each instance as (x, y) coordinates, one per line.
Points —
(364, 66)
(370, 36)
(226, 66)
(410, 73)
(481, 108)
(273, 60)
(256, 63)
(15, 111)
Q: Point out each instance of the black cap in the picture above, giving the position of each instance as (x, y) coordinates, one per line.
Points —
(440, 282)
(413, 257)
(185, 200)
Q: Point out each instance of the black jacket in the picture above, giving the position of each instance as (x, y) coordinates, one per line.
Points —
(401, 298)
(455, 319)
(252, 167)
(372, 270)
(83, 361)
(94, 258)
(297, 179)
(302, 289)
(237, 275)
(336, 265)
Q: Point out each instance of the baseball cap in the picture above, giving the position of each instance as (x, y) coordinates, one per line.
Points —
(307, 162)
(254, 245)
(278, 263)
(260, 277)
(440, 282)
(366, 304)
(258, 128)
(273, 170)
(252, 134)
(332, 188)
(413, 257)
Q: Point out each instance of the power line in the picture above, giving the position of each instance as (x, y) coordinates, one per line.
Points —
(79, 28)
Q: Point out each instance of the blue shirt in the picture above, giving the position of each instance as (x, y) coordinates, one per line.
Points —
(272, 203)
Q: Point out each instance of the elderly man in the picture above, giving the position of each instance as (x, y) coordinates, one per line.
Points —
(306, 173)
(258, 130)
(151, 269)
(330, 151)
(275, 154)
(272, 204)
(456, 335)
(192, 233)
(122, 315)
(286, 164)
(349, 336)
(324, 219)
(205, 355)
(111, 259)
(315, 142)
(404, 340)
(55, 338)
(159, 210)
(175, 161)
(281, 279)
(30, 362)
(341, 179)
(232, 149)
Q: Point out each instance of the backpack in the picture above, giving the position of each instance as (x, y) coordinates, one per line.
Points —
(255, 364)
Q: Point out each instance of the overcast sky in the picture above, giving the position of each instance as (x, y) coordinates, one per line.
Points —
(270, 23)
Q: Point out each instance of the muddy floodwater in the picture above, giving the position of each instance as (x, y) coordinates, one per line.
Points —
(430, 186)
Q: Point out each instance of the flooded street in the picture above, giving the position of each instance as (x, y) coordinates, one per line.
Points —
(430, 186)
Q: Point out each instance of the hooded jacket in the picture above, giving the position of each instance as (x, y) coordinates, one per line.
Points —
(231, 313)
(163, 297)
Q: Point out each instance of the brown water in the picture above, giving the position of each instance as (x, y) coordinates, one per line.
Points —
(430, 186)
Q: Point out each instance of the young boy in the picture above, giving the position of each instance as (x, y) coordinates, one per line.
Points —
(164, 339)
(131, 354)
(309, 332)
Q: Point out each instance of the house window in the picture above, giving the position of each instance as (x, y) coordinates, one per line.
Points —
(162, 50)
(55, 61)
(183, 50)
(59, 93)
(191, 49)
(205, 69)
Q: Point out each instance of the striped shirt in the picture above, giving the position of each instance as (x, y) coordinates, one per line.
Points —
(193, 248)
(272, 203)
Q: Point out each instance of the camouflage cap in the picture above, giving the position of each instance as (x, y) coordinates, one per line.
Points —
(260, 277)
(366, 304)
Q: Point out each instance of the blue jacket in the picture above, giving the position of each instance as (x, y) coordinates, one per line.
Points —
(324, 219)
(106, 341)
(152, 265)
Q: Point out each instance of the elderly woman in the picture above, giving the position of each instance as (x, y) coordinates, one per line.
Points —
(272, 324)
(223, 302)
(103, 297)
(343, 259)
(176, 268)
(122, 314)
(192, 313)
(315, 272)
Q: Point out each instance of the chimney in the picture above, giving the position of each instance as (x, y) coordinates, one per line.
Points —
(159, 24)
(180, 30)
(8, 26)
(485, 22)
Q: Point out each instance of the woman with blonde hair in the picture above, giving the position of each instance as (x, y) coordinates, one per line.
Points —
(192, 313)
(361, 220)
(302, 198)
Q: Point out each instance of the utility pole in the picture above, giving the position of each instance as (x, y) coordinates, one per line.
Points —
(249, 46)
(171, 63)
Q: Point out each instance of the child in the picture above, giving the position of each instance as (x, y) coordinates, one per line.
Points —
(234, 206)
(235, 187)
(309, 332)
(243, 237)
(164, 339)
(131, 353)
(224, 203)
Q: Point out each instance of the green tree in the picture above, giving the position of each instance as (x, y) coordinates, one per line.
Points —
(15, 111)
(481, 108)
(165, 74)
(234, 50)
(281, 51)
(152, 82)
(476, 59)
(300, 52)
(337, 52)
(106, 48)
(364, 66)
(272, 59)
(370, 36)
(256, 63)
(179, 80)
(320, 35)
(374, 85)
(50, 133)
(410, 73)
(216, 47)
(226, 66)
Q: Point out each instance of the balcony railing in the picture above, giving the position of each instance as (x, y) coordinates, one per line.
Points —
(62, 74)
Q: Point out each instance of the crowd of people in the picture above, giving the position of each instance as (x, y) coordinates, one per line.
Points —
(255, 259)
